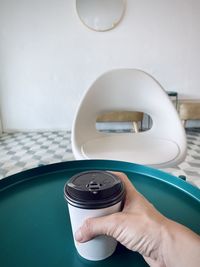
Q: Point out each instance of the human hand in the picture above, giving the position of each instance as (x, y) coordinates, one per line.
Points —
(138, 227)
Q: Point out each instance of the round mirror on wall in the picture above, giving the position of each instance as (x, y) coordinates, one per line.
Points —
(100, 15)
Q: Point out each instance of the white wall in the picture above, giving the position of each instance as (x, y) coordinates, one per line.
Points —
(48, 58)
(0, 127)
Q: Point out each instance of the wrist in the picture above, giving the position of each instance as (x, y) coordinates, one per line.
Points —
(158, 240)
(181, 246)
(154, 235)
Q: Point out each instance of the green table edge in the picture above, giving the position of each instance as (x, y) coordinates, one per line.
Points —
(35, 173)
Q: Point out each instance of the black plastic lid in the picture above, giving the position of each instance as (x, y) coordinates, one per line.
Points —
(94, 190)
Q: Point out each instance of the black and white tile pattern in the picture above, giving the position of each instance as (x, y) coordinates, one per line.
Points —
(22, 151)
(190, 168)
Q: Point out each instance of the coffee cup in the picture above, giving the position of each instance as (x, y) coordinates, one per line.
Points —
(93, 194)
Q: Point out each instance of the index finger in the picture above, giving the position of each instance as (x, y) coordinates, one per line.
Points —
(130, 189)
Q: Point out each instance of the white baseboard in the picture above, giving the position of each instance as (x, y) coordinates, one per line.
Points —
(16, 130)
(100, 126)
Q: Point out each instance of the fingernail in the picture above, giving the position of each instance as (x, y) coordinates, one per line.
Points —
(78, 235)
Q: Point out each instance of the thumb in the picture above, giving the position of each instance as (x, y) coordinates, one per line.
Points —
(92, 227)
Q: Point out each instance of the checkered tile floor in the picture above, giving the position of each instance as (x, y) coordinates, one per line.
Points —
(22, 151)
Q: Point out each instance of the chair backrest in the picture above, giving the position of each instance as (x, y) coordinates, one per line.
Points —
(127, 90)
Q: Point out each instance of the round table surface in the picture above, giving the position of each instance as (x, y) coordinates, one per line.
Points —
(34, 221)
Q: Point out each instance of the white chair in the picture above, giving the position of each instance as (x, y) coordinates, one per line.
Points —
(164, 145)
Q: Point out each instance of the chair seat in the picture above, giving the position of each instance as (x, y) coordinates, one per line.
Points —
(140, 149)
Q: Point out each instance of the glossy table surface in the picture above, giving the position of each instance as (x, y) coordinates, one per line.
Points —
(34, 222)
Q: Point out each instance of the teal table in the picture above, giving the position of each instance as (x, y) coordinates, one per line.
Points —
(34, 223)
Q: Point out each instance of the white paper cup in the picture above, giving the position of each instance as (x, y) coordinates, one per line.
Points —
(93, 194)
